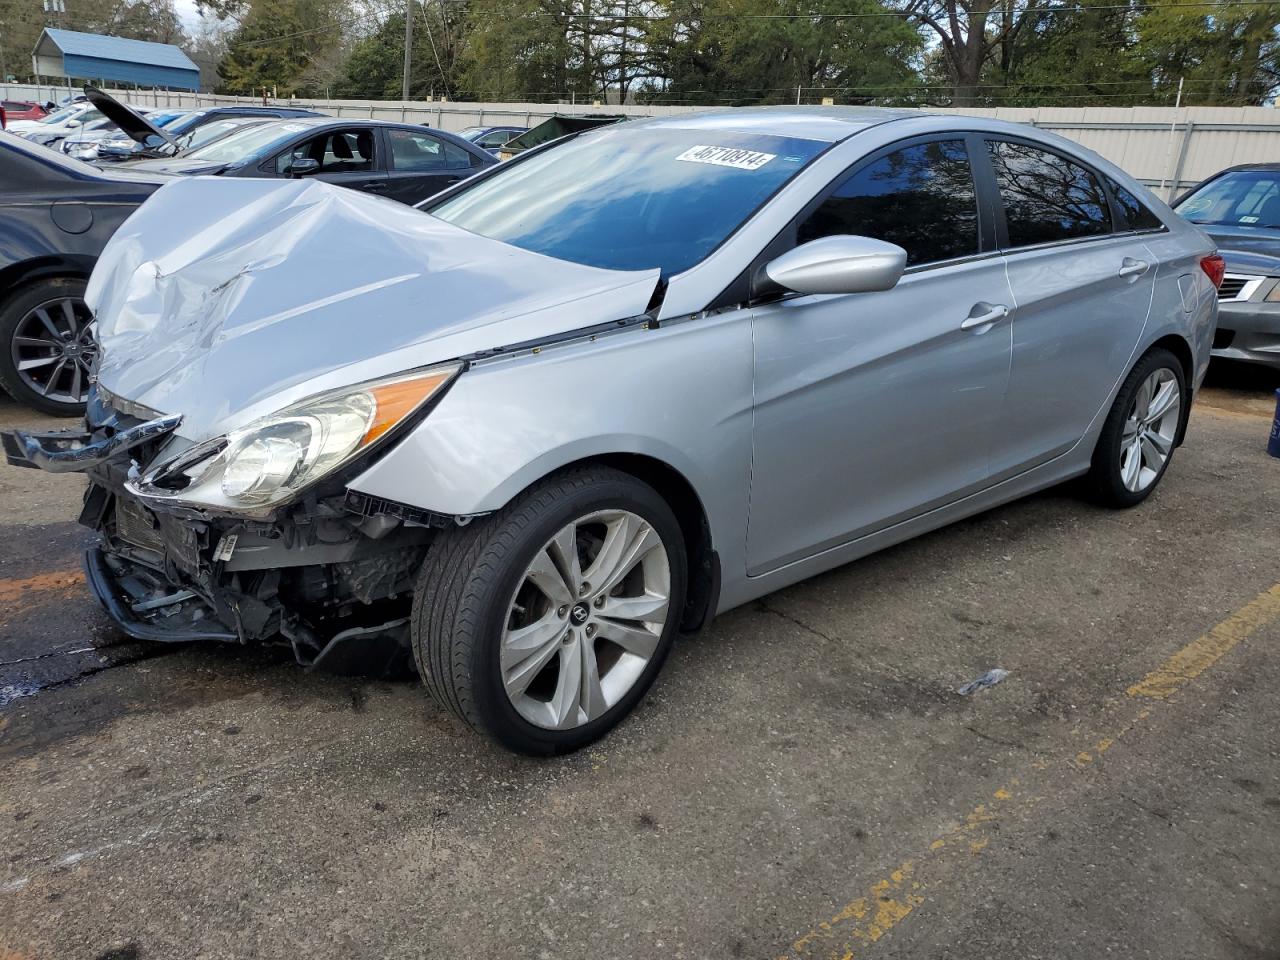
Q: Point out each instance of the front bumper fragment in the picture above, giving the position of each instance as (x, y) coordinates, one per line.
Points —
(112, 592)
(72, 451)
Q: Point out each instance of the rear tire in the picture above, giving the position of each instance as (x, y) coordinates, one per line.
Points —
(1140, 433)
(47, 346)
(511, 636)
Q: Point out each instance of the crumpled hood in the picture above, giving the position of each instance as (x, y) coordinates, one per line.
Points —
(225, 299)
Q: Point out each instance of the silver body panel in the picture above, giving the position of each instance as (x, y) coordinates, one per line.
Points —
(813, 429)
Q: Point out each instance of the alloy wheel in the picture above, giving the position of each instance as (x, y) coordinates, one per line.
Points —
(54, 348)
(1150, 429)
(586, 619)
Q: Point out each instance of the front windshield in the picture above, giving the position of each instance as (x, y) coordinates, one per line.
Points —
(470, 133)
(212, 131)
(248, 143)
(631, 198)
(186, 121)
(1246, 198)
(66, 113)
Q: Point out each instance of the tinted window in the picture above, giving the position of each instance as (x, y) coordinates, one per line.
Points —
(340, 151)
(1246, 198)
(422, 152)
(630, 199)
(922, 198)
(1047, 198)
(1135, 211)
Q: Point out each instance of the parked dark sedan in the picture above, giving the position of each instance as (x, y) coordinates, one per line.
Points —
(397, 160)
(490, 138)
(56, 215)
(1240, 209)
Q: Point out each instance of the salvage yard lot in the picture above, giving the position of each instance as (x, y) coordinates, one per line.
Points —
(803, 781)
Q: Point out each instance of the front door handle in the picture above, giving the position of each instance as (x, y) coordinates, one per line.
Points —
(989, 314)
(374, 185)
(1130, 267)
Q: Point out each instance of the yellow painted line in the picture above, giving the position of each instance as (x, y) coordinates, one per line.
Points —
(887, 902)
(1197, 657)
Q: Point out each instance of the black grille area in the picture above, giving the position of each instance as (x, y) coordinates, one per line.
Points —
(1222, 338)
(1231, 287)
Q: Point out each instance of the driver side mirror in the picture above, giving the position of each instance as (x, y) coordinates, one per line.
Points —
(303, 166)
(839, 264)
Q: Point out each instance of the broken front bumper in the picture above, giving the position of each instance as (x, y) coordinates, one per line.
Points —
(331, 576)
(72, 451)
(108, 585)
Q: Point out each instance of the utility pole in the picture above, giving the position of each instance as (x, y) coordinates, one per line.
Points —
(408, 47)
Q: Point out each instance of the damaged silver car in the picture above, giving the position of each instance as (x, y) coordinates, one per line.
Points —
(598, 394)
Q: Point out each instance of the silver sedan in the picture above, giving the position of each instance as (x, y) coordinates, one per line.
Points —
(592, 397)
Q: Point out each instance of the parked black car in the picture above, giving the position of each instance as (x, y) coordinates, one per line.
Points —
(397, 160)
(56, 214)
(1240, 209)
(490, 138)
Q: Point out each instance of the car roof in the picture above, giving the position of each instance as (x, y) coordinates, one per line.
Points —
(1269, 167)
(827, 124)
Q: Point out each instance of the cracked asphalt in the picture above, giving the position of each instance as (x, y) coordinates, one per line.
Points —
(803, 781)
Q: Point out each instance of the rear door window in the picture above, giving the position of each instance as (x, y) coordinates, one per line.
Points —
(421, 152)
(921, 197)
(1047, 198)
(1135, 211)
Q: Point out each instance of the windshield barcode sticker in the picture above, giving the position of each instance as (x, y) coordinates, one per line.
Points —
(734, 157)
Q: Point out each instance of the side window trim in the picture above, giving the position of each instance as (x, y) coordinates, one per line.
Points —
(1002, 223)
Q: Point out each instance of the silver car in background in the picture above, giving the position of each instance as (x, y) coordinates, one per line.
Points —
(594, 396)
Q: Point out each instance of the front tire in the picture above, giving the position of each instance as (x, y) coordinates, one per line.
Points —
(47, 346)
(544, 624)
(1140, 432)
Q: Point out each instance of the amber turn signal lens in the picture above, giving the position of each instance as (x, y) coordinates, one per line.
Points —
(395, 401)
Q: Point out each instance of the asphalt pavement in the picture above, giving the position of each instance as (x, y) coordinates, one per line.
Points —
(804, 780)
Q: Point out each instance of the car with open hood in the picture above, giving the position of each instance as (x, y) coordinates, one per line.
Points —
(86, 142)
(1240, 209)
(142, 138)
(400, 161)
(56, 215)
(595, 395)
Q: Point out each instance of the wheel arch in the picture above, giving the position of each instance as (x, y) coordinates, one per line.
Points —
(1180, 347)
(703, 590)
(17, 276)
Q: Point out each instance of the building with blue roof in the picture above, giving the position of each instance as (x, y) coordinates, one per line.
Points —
(91, 56)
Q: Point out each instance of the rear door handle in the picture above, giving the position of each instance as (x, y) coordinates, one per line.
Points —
(1130, 267)
(989, 315)
(374, 185)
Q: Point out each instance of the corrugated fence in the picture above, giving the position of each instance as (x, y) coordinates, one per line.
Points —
(1158, 145)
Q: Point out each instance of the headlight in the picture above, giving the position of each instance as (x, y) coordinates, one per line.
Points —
(1274, 295)
(268, 461)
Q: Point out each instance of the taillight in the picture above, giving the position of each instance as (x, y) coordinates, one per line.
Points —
(1214, 268)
